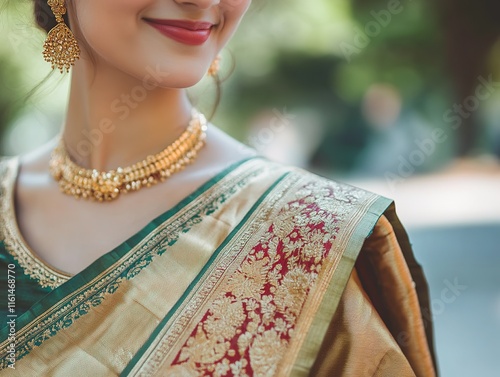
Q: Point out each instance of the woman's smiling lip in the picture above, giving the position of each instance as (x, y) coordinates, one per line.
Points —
(192, 33)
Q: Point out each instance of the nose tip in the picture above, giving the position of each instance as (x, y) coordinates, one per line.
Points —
(202, 4)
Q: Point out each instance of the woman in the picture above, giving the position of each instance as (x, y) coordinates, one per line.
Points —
(217, 261)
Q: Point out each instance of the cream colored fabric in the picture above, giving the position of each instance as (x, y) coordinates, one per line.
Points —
(103, 340)
(263, 238)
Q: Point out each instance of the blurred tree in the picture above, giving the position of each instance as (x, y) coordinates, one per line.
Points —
(323, 56)
(11, 83)
(10, 96)
(471, 30)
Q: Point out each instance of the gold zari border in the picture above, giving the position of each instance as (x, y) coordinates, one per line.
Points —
(343, 205)
(35, 268)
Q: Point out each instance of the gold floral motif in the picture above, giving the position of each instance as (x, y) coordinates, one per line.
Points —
(291, 293)
(312, 245)
(266, 352)
(227, 317)
(238, 368)
(203, 349)
(256, 308)
(248, 282)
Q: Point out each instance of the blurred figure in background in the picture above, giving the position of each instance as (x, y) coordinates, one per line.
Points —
(394, 131)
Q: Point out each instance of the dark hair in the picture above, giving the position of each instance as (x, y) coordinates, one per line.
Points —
(44, 17)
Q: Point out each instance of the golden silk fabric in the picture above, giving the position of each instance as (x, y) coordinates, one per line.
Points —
(252, 274)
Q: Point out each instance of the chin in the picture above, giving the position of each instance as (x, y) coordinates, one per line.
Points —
(167, 76)
(182, 81)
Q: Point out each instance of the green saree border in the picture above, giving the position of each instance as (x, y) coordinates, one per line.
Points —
(101, 265)
(117, 252)
(331, 298)
(114, 255)
(153, 352)
(200, 275)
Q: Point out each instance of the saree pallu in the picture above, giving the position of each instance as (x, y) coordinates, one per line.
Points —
(265, 270)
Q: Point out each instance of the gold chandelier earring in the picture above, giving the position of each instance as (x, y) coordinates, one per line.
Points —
(60, 48)
(215, 67)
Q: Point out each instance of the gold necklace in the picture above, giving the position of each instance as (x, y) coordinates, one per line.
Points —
(106, 186)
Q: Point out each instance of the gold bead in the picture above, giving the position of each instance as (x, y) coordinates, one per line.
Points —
(106, 186)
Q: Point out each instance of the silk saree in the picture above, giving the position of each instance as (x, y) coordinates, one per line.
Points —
(264, 270)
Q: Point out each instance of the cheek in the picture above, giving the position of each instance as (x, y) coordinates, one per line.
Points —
(116, 36)
(238, 6)
(104, 24)
(233, 10)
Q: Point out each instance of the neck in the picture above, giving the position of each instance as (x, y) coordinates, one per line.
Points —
(115, 120)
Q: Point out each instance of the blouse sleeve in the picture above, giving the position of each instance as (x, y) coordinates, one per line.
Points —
(378, 328)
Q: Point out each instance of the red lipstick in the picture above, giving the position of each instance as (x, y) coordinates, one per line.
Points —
(192, 33)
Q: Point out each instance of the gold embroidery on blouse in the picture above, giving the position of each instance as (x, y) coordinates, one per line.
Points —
(246, 317)
(35, 268)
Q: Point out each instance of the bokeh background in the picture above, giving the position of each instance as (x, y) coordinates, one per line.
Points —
(399, 97)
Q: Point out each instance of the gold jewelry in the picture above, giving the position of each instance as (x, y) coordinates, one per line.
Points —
(60, 48)
(106, 186)
(215, 67)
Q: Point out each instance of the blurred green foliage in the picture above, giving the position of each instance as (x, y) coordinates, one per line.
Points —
(293, 54)
(10, 96)
(298, 55)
